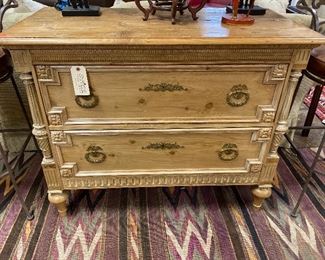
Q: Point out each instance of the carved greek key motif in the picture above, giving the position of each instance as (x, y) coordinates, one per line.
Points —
(238, 96)
(43, 72)
(163, 146)
(279, 72)
(163, 87)
(275, 74)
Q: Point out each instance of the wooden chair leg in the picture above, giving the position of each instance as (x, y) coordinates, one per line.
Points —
(312, 109)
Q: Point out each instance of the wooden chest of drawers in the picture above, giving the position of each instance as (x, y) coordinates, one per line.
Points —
(197, 103)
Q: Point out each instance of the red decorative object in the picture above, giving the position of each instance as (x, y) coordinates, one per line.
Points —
(241, 19)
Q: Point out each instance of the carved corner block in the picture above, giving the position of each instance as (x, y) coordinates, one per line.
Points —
(266, 114)
(276, 74)
(43, 72)
(57, 116)
(60, 137)
(262, 135)
(253, 166)
(68, 169)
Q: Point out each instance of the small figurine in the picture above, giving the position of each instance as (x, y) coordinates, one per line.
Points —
(241, 19)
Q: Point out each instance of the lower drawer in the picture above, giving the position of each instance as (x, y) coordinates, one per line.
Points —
(93, 153)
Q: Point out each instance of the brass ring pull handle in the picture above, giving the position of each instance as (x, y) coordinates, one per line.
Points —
(163, 87)
(163, 146)
(228, 152)
(95, 155)
(238, 96)
(90, 101)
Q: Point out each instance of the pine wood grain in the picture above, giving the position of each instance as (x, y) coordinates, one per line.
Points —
(125, 26)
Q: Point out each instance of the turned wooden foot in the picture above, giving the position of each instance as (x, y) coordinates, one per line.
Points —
(60, 201)
(259, 195)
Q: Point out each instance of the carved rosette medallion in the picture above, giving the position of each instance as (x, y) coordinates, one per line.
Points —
(57, 116)
(268, 117)
(43, 72)
(68, 169)
(55, 119)
(256, 168)
(264, 134)
(58, 137)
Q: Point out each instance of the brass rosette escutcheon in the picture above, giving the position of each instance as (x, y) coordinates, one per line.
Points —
(90, 101)
(238, 96)
(228, 152)
(95, 154)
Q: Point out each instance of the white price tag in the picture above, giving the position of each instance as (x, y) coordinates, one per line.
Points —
(80, 81)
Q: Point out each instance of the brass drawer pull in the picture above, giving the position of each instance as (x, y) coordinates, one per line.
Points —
(163, 146)
(90, 101)
(238, 96)
(228, 152)
(95, 155)
(163, 87)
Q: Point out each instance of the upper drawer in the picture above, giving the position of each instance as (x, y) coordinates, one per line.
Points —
(163, 94)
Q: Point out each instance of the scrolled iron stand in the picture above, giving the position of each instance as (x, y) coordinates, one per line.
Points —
(18, 163)
(310, 169)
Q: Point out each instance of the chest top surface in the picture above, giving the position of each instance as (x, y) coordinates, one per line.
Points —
(125, 26)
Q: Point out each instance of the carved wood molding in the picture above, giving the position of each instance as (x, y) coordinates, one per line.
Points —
(51, 175)
(157, 181)
(68, 169)
(300, 58)
(39, 129)
(269, 170)
(22, 60)
(163, 54)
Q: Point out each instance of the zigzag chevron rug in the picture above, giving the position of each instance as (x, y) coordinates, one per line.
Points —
(156, 223)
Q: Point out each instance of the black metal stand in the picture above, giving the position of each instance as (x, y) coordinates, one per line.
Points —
(14, 167)
(311, 169)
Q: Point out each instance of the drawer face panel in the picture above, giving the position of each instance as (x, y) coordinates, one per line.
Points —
(166, 94)
(219, 150)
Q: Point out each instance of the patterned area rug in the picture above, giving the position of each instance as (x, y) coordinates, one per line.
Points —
(156, 223)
